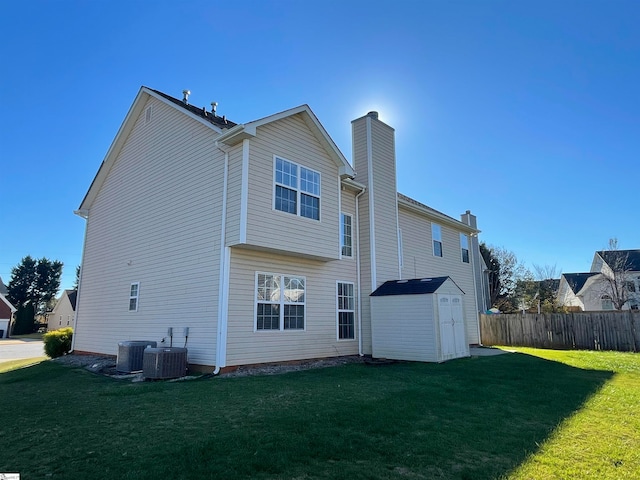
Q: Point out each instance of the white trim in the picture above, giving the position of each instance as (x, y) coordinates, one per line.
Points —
(281, 302)
(338, 311)
(78, 297)
(400, 251)
(434, 239)
(223, 279)
(372, 228)
(340, 217)
(358, 274)
(297, 188)
(244, 193)
(136, 296)
(342, 235)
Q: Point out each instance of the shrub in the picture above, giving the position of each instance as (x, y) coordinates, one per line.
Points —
(58, 342)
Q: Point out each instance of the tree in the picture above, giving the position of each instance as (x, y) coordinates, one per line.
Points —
(33, 284)
(77, 280)
(616, 276)
(505, 273)
(493, 267)
(547, 282)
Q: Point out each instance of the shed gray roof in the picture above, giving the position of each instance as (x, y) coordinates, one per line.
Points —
(416, 286)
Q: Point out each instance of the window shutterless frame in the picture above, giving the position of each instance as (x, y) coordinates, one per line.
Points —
(296, 189)
(134, 296)
(436, 235)
(345, 311)
(280, 302)
(464, 248)
(346, 235)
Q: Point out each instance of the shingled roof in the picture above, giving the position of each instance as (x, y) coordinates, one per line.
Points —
(577, 280)
(415, 286)
(631, 258)
(220, 122)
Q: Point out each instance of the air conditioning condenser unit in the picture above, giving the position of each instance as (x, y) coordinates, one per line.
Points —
(130, 355)
(167, 362)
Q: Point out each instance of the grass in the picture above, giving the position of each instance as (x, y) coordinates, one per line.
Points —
(9, 365)
(602, 439)
(506, 417)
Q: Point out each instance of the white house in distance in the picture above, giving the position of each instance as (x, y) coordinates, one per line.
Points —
(64, 313)
(258, 240)
(589, 291)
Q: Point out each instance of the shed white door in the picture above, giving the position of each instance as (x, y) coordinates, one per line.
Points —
(453, 341)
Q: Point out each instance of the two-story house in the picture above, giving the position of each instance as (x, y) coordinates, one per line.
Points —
(259, 241)
(614, 278)
(63, 313)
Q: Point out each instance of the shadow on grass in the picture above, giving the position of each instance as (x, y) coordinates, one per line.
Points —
(475, 418)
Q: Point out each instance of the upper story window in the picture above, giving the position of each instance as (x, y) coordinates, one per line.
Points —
(134, 294)
(297, 189)
(346, 237)
(464, 247)
(436, 235)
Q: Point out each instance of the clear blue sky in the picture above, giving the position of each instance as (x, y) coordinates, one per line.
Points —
(525, 112)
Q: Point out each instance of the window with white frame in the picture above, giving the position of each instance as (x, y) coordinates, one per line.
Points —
(134, 295)
(346, 236)
(297, 189)
(280, 302)
(464, 248)
(607, 303)
(346, 311)
(436, 235)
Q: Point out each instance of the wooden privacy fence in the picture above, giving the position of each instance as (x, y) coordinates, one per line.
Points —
(582, 330)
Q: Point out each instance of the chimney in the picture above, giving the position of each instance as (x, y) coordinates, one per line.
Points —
(185, 96)
(374, 160)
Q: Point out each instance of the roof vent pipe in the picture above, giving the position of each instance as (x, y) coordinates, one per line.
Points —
(185, 96)
(214, 107)
(373, 114)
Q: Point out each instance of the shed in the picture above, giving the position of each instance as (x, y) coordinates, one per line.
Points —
(420, 320)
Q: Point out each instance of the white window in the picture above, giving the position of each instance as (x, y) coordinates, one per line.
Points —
(280, 302)
(464, 247)
(346, 235)
(607, 304)
(400, 253)
(346, 311)
(436, 235)
(297, 189)
(134, 294)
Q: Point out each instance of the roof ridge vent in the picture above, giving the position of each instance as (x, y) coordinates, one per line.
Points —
(185, 96)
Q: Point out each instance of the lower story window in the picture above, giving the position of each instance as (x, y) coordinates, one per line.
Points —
(280, 302)
(607, 303)
(346, 311)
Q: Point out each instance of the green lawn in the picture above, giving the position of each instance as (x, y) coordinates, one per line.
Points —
(531, 415)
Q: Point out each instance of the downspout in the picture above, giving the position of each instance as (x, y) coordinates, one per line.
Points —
(358, 272)
(221, 336)
(475, 288)
(84, 215)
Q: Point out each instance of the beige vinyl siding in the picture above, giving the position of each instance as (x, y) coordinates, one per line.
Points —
(412, 339)
(156, 220)
(291, 139)
(362, 173)
(234, 195)
(420, 262)
(385, 202)
(319, 339)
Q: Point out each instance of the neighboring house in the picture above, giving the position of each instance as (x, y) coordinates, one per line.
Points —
(6, 316)
(591, 292)
(260, 238)
(6, 311)
(64, 313)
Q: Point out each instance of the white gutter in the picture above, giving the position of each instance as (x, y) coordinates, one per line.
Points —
(472, 252)
(75, 316)
(223, 285)
(358, 272)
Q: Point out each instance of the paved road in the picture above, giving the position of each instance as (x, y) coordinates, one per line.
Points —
(11, 349)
